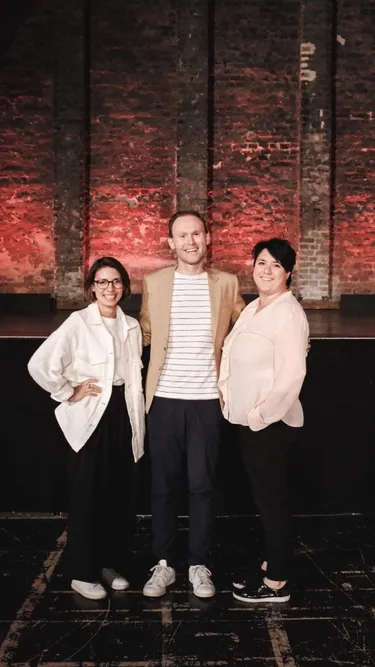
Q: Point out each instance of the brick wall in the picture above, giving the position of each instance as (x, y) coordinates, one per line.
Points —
(27, 261)
(255, 183)
(203, 105)
(354, 221)
(133, 132)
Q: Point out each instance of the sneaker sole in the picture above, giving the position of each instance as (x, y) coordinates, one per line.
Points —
(202, 596)
(120, 588)
(237, 596)
(152, 594)
(90, 596)
(149, 594)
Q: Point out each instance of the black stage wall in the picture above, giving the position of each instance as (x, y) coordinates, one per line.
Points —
(332, 469)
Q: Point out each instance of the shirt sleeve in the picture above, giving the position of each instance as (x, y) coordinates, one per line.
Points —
(49, 361)
(290, 370)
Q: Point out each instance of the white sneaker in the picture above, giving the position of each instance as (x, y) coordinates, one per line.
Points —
(162, 576)
(114, 579)
(200, 577)
(88, 590)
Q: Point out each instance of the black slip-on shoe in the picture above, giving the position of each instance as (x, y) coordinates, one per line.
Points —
(262, 594)
(240, 583)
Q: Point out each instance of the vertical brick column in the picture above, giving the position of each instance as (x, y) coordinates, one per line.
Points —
(256, 158)
(192, 130)
(70, 148)
(316, 106)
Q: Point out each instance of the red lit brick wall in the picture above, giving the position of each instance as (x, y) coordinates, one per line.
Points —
(255, 189)
(189, 104)
(27, 262)
(354, 229)
(133, 132)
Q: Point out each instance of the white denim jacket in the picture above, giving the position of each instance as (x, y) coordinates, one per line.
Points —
(82, 348)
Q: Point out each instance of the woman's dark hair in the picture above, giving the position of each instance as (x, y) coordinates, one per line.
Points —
(281, 250)
(100, 264)
(179, 214)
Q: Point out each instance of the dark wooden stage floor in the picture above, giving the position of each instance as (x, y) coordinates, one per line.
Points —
(328, 622)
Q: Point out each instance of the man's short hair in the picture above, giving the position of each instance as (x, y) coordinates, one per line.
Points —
(180, 214)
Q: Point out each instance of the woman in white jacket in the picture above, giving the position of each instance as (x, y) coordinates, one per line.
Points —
(92, 366)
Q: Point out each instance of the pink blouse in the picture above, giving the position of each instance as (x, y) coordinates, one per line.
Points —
(264, 364)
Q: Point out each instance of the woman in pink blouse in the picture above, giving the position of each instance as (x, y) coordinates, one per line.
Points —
(262, 372)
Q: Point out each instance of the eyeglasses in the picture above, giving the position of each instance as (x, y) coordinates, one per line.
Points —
(104, 283)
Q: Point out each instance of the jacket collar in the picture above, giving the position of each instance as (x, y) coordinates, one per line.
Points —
(94, 317)
(214, 287)
(213, 274)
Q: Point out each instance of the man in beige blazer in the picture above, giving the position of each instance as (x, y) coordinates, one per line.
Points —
(187, 311)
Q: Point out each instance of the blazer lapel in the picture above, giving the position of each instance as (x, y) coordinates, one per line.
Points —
(215, 299)
(165, 302)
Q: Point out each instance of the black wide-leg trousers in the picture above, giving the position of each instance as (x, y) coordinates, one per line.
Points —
(102, 484)
(265, 455)
(183, 431)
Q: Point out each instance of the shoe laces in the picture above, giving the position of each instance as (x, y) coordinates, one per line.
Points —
(160, 574)
(202, 573)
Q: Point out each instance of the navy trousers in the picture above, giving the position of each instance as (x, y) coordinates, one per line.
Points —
(183, 432)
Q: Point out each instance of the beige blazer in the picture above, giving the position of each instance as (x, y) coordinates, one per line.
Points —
(226, 305)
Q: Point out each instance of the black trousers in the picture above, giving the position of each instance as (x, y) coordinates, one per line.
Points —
(102, 483)
(265, 455)
(179, 431)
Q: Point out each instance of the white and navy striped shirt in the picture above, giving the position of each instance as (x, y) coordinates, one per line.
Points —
(189, 370)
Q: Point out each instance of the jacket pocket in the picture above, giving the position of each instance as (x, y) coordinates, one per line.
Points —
(97, 356)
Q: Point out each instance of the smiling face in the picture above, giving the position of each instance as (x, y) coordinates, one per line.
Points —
(107, 297)
(189, 241)
(269, 275)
